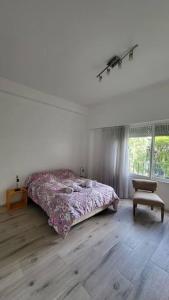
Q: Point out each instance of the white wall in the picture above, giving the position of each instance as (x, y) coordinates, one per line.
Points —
(36, 136)
(149, 104)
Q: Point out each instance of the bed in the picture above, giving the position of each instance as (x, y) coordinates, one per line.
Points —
(68, 199)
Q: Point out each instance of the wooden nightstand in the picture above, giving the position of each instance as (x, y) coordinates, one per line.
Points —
(12, 196)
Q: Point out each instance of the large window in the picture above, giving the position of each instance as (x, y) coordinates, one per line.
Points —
(149, 151)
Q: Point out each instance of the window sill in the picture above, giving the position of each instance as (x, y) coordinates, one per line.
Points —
(161, 180)
(132, 175)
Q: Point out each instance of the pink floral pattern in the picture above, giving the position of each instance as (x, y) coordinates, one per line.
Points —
(45, 189)
(59, 173)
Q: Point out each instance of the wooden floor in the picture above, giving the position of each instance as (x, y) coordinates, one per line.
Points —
(110, 257)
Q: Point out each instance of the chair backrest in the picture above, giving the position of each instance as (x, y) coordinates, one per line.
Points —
(144, 185)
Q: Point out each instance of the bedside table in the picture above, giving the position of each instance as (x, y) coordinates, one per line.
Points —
(12, 201)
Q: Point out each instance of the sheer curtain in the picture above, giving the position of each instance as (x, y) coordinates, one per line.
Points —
(110, 158)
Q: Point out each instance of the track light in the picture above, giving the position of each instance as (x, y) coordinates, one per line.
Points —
(131, 55)
(108, 71)
(100, 78)
(120, 64)
(117, 60)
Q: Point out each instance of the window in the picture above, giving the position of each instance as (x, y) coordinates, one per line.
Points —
(161, 151)
(149, 150)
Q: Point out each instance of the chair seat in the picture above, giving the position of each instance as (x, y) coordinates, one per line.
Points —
(147, 198)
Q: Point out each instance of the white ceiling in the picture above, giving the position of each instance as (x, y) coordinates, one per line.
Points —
(58, 46)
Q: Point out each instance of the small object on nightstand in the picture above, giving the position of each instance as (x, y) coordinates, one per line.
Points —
(82, 172)
(12, 201)
(17, 183)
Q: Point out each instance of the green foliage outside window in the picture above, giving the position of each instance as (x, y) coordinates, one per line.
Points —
(161, 156)
(140, 156)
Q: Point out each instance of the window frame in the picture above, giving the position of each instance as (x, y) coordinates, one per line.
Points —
(151, 176)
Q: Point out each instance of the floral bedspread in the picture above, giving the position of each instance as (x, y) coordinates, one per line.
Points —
(45, 189)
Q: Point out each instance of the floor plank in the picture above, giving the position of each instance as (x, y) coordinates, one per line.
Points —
(78, 292)
(110, 256)
(161, 255)
(153, 284)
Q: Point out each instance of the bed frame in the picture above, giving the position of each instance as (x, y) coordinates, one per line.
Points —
(89, 215)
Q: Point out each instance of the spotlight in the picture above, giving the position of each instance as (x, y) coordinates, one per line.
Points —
(117, 60)
(120, 64)
(131, 55)
(108, 71)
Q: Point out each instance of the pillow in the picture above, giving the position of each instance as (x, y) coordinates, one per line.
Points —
(88, 183)
(70, 183)
(66, 190)
(60, 174)
(64, 174)
(35, 176)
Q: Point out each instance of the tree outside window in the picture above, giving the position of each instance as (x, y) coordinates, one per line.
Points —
(149, 151)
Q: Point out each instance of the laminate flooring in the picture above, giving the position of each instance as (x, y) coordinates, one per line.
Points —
(107, 257)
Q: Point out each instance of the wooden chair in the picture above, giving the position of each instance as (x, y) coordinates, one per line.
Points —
(144, 195)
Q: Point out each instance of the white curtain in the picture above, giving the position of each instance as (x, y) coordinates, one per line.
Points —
(110, 158)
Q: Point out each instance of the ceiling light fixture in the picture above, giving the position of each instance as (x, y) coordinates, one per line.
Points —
(108, 71)
(116, 60)
(120, 64)
(100, 78)
(131, 55)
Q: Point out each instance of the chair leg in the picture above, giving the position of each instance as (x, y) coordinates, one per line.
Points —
(151, 207)
(134, 209)
(162, 214)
